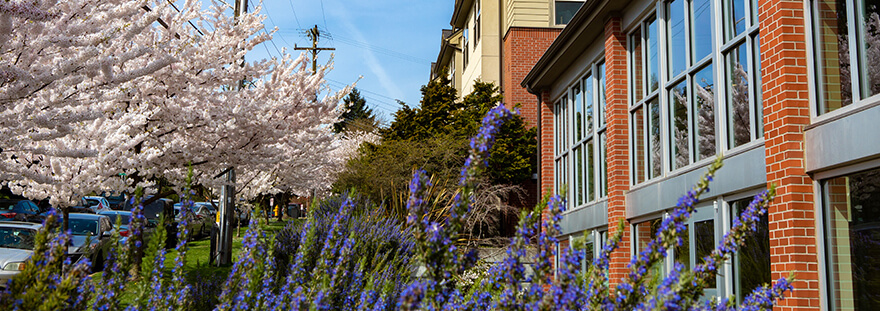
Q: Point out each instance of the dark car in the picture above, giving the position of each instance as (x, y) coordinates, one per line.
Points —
(117, 201)
(154, 211)
(20, 210)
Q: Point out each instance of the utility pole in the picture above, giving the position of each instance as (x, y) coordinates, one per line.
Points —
(227, 196)
(314, 34)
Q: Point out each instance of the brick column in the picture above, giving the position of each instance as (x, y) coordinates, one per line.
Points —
(616, 111)
(547, 154)
(786, 113)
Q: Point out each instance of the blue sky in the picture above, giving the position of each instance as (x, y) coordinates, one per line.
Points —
(389, 43)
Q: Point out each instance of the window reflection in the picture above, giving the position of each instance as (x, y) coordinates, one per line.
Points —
(738, 119)
(704, 89)
(676, 33)
(852, 222)
(752, 261)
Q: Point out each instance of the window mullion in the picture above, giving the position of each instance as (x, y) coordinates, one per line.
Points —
(721, 81)
(855, 69)
(663, 90)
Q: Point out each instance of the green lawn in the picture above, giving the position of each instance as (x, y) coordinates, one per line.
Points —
(198, 257)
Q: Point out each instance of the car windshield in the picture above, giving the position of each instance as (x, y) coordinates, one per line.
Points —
(21, 238)
(83, 226)
(92, 202)
(124, 219)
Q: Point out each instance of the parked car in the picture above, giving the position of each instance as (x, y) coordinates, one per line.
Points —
(116, 201)
(95, 203)
(198, 220)
(20, 210)
(16, 246)
(90, 238)
(124, 228)
(154, 211)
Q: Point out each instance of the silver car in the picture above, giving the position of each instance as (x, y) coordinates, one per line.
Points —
(16, 246)
(96, 229)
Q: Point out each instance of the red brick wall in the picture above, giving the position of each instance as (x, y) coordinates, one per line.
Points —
(786, 113)
(618, 137)
(523, 47)
(545, 139)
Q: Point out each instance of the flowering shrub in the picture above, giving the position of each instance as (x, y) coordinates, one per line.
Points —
(347, 257)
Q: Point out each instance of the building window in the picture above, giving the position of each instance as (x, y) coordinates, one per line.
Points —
(847, 49)
(742, 72)
(465, 51)
(565, 10)
(751, 264)
(477, 22)
(851, 205)
(644, 94)
(580, 137)
(677, 101)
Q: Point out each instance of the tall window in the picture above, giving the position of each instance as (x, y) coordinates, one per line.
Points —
(675, 79)
(465, 50)
(851, 206)
(580, 138)
(565, 10)
(742, 70)
(645, 111)
(477, 22)
(691, 89)
(847, 49)
(751, 264)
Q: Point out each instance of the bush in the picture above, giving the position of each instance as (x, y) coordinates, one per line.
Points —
(381, 252)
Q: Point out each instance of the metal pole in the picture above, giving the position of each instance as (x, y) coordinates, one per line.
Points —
(227, 214)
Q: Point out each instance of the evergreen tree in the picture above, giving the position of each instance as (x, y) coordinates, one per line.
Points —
(356, 115)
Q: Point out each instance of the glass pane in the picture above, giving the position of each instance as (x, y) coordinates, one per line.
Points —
(590, 174)
(655, 150)
(682, 253)
(564, 128)
(734, 18)
(638, 127)
(679, 126)
(638, 78)
(869, 49)
(738, 120)
(603, 166)
(565, 10)
(852, 207)
(833, 51)
(578, 113)
(702, 29)
(559, 181)
(578, 179)
(676, 33)
(751, 263)
(653, 57)
(759, 93)
(600, 79)
(704, 95)
(704, 242)
(588, 104)
(645, 232)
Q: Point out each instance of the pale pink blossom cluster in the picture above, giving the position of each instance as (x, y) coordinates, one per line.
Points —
(110, 94)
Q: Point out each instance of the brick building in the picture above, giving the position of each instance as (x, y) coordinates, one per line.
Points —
(636, 98)
(499, 41)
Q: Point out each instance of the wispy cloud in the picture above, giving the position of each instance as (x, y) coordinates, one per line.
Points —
(370, 59)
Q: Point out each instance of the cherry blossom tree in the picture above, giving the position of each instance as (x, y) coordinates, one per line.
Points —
(149, 89)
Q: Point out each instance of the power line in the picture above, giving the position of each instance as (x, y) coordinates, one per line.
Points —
(382, 50)
(294, 14)
(324, 15)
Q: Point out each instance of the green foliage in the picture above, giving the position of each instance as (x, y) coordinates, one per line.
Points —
(356, 116)
(435, 136)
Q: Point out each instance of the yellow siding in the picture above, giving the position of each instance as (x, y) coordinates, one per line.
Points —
(527, 13)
